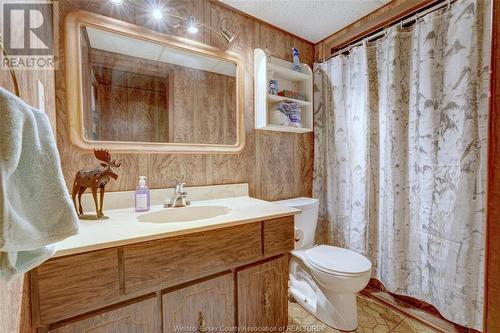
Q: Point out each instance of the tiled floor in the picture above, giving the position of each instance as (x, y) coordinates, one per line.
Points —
(374, 317)
(428, 316)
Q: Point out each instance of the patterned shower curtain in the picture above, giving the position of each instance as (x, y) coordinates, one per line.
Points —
(401, 156)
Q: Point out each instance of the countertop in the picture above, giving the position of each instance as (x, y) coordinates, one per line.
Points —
(124, 228)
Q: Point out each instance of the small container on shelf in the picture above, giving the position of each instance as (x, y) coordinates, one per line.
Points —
(273, 87)
(293, 94)
(294, 87)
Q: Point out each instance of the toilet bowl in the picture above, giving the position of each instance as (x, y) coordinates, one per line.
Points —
(324, 279)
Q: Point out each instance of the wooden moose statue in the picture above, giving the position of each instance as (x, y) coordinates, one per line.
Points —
(95, 179)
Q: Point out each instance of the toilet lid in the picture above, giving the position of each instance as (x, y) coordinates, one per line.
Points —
(337, 260)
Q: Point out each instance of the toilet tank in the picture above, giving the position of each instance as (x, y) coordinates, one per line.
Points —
(307, 220)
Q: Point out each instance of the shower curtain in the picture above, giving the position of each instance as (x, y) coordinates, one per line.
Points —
(401, 156)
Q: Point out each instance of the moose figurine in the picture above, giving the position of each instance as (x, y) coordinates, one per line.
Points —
(95, 179)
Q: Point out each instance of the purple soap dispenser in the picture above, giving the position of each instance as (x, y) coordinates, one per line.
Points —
(142, 196)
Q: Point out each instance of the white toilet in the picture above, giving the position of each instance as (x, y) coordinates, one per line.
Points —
(324, 279)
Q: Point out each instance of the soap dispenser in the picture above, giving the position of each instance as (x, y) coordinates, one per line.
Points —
(142, 196)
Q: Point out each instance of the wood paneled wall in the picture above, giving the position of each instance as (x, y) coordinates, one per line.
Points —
(276, 165)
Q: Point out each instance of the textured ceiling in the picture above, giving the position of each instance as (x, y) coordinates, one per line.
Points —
(312, 20)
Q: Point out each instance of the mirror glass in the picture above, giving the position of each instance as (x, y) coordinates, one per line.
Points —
(135, 90)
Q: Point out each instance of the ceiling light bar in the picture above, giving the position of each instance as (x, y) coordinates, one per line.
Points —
(192, 26)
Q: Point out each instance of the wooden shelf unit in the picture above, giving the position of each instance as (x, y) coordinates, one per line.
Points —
(267, 68)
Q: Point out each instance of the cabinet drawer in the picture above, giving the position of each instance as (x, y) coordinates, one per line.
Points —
(278, 235)
(141, 317)
(72, 285)
(168, 262)
(205, 306)
(262, 296)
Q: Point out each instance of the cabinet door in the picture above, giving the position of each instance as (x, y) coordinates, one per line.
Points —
(201, 307)
(262, 295)
(140, 317)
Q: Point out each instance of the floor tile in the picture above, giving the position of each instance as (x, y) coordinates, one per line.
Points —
(412, 326)
(373, 316)
(442, 324)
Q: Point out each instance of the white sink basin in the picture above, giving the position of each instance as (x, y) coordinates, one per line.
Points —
(183, 214)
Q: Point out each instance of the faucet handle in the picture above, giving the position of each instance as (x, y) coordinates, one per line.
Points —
(179, 187)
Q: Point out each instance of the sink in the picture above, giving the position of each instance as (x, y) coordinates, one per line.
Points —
(183, 214)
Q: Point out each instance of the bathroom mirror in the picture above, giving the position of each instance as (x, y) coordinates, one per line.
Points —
(133, 89)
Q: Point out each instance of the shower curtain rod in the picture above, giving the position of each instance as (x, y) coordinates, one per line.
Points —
(383, 31)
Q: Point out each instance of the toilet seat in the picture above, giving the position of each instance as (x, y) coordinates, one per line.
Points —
(337, 261)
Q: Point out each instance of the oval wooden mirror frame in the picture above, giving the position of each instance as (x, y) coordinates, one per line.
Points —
(78, 19)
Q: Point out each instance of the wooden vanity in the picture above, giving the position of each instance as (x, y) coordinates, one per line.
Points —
(214, 280)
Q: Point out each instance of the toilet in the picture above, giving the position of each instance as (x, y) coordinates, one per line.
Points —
(324, 279)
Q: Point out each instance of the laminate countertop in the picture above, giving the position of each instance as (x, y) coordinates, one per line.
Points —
(124, 227)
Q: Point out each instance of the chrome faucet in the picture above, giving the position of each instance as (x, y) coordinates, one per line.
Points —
(180, 198)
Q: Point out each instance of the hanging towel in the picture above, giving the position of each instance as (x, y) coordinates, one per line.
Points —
(35, 207)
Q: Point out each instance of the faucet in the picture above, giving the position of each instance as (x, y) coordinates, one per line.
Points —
(180, 198)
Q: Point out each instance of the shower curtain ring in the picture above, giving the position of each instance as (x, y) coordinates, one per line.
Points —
(449, 4)
(417, 17)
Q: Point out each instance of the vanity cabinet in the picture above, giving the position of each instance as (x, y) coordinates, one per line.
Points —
(204, 306)
(263, 295)
(227, 277)
(139, 317)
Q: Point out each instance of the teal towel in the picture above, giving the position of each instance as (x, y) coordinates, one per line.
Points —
(35, 206)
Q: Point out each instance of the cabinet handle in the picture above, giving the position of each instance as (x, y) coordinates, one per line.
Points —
(266, 297)
(201, 323)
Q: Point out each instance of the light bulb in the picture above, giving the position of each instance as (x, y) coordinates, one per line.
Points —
(157, 14)
(192, 28)
(117, 2)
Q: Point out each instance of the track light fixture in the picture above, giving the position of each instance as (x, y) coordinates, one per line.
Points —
(192, 26)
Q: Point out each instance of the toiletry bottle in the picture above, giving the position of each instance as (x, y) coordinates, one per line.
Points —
(142, 197)
(296, 62)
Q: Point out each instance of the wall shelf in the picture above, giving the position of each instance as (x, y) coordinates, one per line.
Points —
(267, 68)
(279, 128)
(277, 98)
(287, 73)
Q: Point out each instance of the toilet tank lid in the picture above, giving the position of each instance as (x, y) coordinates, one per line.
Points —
(297, 202)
